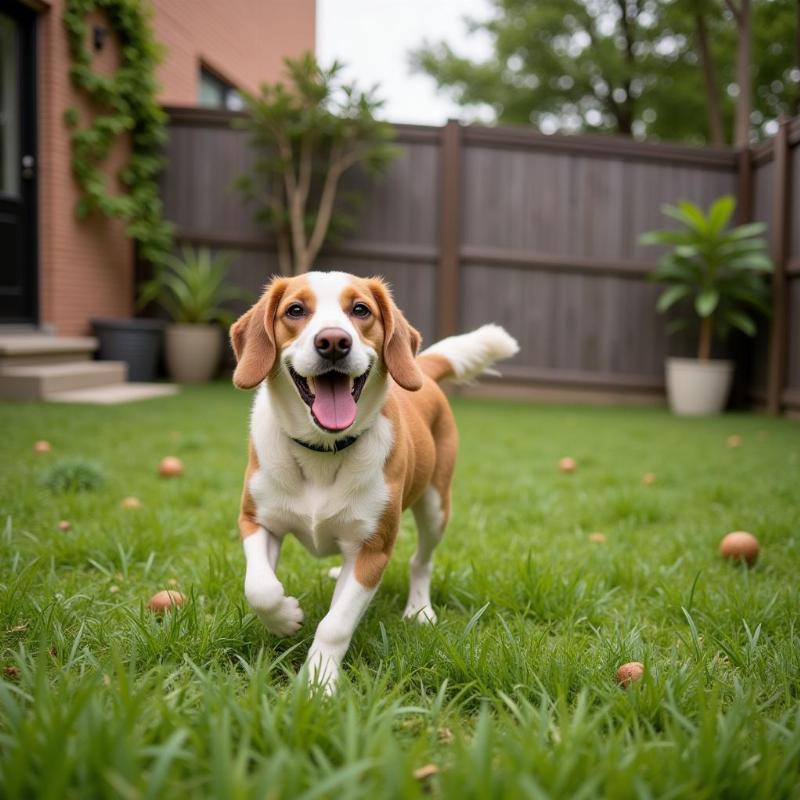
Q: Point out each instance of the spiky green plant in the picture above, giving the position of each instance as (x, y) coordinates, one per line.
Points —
(720, 271)
(73, 475)
(192, 288)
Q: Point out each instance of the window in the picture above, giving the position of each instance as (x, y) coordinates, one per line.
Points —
(217, 93)
(9, 107)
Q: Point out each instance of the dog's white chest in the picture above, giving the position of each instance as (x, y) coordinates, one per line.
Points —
(329, 502)
(326, 519)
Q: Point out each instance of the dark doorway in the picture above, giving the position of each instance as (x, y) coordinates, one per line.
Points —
(18, 258)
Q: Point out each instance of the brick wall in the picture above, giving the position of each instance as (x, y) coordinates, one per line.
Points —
(245, 41)
(86, 267)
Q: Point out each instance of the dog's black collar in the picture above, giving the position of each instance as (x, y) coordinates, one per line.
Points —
(336, 447)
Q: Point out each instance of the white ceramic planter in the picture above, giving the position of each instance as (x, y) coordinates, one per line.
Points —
(698, 388)
(192, 352)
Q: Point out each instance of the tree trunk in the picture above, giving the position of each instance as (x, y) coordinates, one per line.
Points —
(713, 106)
(706, 336)
(744, 78)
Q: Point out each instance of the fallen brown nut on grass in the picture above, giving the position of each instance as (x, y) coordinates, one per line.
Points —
(428, 771)
(165, 600)
(42, 446)
(740, 546)
(630, 673)
(170, 467)
(445, 735)
(568, 465)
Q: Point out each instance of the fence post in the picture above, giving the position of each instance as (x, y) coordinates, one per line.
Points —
(779, 333)
(744, 187)
(449, 230)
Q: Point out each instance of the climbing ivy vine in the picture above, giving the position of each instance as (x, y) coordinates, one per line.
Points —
(122, 103)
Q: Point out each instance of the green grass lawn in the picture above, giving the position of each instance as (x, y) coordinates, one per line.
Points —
(512, 695)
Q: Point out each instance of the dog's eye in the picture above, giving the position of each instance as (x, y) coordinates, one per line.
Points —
(295, 311)
(361, 310)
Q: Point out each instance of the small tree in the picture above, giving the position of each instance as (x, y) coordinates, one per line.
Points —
(307, 135)
(721, 272)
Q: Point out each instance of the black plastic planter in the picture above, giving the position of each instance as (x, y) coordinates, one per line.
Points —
(137, 342)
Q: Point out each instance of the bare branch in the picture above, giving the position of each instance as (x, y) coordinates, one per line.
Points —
(326, 202)
(284, 253)
(296, 205)
(304, 177)
(277, 202)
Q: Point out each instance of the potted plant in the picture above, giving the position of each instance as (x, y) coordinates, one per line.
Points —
(191, 289)
(715, 275)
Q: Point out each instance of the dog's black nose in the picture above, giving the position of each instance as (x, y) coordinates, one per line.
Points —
(333, 343)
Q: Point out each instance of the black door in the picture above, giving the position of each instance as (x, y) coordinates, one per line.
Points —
(18, 267)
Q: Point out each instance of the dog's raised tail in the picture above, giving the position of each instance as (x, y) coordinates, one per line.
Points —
(463, 358)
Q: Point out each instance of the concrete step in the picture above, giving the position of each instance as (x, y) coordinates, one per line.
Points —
(115, 394)
(27, 349)
(39, 381)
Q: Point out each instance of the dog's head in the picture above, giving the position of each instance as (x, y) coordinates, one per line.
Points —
(327, 341)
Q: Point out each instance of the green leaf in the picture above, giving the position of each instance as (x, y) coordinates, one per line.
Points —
(689, 214)
(756, 262)
(665, 237)
(720, 213)
(671, 296)
(745, 231)
(742, 321)
(706, 302)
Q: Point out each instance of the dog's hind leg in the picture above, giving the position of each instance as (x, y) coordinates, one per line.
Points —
(431, 518)
(431, 513)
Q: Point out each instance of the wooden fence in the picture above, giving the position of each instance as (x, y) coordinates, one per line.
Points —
(537, 233)
(772, 181)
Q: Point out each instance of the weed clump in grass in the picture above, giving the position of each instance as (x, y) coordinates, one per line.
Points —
(73, 475)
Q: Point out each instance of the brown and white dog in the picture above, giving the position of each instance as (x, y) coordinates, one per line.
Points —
(349, 427)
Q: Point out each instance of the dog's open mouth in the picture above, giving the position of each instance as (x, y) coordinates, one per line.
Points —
(332, 397)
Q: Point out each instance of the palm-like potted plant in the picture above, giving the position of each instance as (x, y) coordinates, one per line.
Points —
(192, 289)
(716, 276)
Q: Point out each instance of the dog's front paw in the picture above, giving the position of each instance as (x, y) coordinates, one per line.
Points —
(278, 613)
(323, 671)
(284, 620)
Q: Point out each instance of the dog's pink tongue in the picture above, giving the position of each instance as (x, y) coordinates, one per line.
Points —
(333, 406)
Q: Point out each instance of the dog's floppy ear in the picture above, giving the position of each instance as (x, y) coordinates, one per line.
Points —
(253, 338)
(400, 341)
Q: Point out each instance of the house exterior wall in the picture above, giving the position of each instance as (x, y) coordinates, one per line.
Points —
(86, 267)
(243, 41)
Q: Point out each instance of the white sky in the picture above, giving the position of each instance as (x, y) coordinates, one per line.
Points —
(373, 38)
